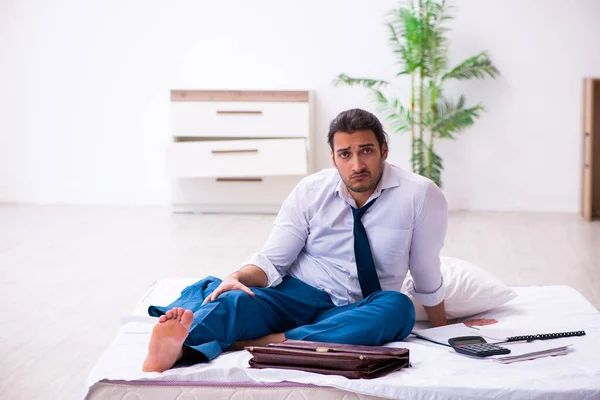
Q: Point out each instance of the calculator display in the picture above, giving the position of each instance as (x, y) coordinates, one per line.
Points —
(470, 341)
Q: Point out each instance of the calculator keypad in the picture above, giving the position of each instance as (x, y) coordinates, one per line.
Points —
(481, 349)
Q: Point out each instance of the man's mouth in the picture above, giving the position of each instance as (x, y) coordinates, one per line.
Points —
(360, 177)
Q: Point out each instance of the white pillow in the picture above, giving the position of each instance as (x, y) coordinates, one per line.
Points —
(470, 290)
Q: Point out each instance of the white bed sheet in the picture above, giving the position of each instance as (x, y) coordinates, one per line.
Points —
(437, 372)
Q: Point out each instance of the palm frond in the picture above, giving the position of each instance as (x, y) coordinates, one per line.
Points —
(408, 24)
(366, 82)
(452, 118)
(439, 14)
(436, 166)
(475, 67)
(398, 117)
(404, 36)
(435, 39)
(394, 39)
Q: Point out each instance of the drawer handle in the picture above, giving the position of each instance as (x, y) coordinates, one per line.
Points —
(238, 112)
(239, 179)
(234, 151)
(586, 139)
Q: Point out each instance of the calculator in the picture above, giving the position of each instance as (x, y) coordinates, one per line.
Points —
(476, 346)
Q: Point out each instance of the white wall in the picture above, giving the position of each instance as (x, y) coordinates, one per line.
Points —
(84, 89)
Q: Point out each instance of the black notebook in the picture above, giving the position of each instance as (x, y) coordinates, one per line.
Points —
(545, 336)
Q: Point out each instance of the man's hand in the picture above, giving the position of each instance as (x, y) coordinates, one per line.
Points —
(248, 275)
(479, 322)
(230, 283)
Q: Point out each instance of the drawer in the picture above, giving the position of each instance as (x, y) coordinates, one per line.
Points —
(209, 195)
(239, 119)
(237, 158)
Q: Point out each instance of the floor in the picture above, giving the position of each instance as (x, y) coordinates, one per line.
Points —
(70, 273)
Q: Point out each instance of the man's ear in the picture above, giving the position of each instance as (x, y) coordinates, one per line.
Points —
(384, 151)
(333, 158)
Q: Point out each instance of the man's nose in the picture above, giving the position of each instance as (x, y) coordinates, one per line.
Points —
(357, 164)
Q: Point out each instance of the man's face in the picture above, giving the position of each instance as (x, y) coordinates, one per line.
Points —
(358, 159)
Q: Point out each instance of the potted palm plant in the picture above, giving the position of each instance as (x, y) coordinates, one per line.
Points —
(418, 37)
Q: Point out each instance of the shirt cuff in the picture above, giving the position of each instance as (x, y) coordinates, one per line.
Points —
(427, 299)
(261, 261)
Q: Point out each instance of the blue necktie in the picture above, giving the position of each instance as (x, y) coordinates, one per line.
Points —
(367, 275)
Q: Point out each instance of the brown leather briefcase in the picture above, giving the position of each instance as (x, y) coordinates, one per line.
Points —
(347, 360)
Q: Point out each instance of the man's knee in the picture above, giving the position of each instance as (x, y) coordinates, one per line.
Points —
(392, 316)
(395, 309)
(393, 299)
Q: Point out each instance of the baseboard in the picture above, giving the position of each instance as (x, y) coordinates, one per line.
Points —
(226, 208)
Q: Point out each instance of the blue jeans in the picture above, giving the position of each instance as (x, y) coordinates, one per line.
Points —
(293, 307)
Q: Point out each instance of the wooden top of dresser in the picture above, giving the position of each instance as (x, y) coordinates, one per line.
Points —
(298, 96)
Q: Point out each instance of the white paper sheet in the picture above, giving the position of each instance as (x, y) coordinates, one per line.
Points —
(442, 334)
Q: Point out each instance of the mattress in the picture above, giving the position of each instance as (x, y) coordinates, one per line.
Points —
(437, 372)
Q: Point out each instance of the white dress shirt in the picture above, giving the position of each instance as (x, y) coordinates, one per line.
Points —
(312, 237)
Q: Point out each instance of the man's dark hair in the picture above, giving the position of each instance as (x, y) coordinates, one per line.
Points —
(354, 120)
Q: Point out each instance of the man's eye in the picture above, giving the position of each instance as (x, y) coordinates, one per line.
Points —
(344, 155)
(367, 151)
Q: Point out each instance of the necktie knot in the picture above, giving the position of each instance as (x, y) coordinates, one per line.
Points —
(359, 212)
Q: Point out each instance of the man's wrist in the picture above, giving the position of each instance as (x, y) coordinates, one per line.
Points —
(234, 275)
(250, 275)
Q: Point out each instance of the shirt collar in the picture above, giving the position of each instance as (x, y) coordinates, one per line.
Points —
(388, 180)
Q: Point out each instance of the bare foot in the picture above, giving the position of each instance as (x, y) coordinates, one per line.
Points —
(166, 342)
(261, 341)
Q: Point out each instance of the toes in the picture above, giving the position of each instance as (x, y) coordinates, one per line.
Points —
(187, 318)
(162, 318)
(175, 313)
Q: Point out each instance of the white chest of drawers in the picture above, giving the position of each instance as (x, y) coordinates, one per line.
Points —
(238, 151)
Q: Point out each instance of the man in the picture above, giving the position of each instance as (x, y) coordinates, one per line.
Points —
(332, 267)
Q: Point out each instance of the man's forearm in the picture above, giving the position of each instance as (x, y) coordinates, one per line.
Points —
(437, 314)
(251, 276)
